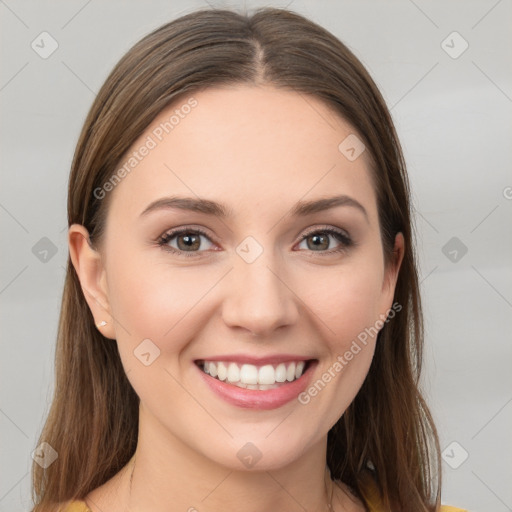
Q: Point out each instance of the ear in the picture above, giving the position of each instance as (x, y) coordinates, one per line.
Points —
(391, 274)
(89, 268)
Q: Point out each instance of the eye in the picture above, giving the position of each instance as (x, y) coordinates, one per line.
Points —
(319, 239)
(188, 241)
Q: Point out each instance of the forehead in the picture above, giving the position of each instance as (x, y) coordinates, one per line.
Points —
(243, 146)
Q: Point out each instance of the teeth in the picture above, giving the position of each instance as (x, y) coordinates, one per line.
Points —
(248, 374)
(222, 371)
(299, 369)
(280, 372)
(233, 373)
(253, 377)
(267, 375)
(290, 372)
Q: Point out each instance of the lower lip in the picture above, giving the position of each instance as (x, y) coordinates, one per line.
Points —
(256, 399)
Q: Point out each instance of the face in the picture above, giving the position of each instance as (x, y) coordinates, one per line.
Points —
(273, 289)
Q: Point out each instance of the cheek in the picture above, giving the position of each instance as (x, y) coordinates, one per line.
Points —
(346, 300)
(156, 300)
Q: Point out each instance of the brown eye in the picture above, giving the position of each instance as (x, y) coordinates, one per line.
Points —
(188, 241)
(320, 241)
(182, 241)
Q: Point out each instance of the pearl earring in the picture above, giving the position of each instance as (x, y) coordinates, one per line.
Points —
(101, 324)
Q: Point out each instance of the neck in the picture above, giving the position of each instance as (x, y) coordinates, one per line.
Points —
(163, 474)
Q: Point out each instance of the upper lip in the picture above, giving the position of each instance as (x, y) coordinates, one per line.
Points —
(257, 361)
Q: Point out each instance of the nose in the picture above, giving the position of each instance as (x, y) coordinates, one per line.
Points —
(258, 298)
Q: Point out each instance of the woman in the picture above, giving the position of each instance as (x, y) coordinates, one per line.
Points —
(241, 321)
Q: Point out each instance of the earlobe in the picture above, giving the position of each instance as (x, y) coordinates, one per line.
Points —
(91, 273)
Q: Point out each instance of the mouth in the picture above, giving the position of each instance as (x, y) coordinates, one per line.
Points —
(263, 385)
(255, 377)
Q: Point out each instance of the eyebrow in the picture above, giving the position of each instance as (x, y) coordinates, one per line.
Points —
(300, 209)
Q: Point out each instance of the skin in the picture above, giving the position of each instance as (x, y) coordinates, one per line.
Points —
(258, 150)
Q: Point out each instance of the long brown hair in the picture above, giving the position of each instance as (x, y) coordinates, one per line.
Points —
(93, 419)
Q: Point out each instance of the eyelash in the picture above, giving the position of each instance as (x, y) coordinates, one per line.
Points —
(342, 237)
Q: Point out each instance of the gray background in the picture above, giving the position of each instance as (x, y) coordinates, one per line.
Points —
(453, 115)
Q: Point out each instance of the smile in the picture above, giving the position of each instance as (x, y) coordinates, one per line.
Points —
(250, 376)
(256, 386)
